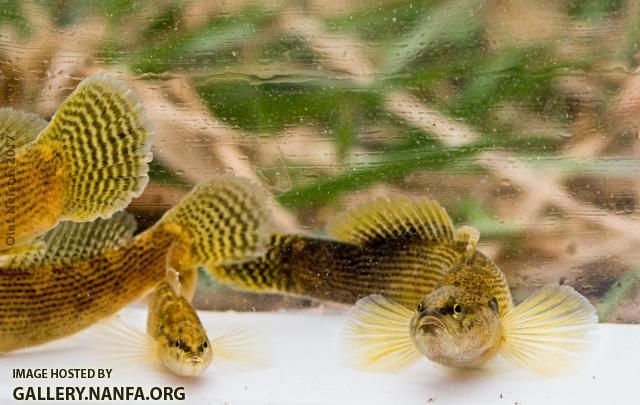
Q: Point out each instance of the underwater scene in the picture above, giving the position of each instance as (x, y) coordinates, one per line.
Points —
(319, 201)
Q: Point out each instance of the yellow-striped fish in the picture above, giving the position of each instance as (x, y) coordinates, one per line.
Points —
(176, 338)
(88, 162)
(432, 291)
(89, 271)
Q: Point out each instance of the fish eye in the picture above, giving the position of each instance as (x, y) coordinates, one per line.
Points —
(420, 307)
(457, 308)
(205, 344)
(177, 344)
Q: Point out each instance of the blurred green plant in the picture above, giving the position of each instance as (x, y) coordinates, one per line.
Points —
(469, 211)
(395, 166)
(258, 75)
(620, 290)
(11, 13)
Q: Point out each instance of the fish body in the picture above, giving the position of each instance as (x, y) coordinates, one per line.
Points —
(344, 272)
(47, 302)
(420, 287)
(89, 271)
(175, 338)
(87, 163)
(181, 340)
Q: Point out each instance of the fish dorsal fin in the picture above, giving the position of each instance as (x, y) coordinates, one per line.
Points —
(549, 330)
(395, 218)
(71, 241)
(101, 136)
(376, 335)
(221, 221)
(17, 129)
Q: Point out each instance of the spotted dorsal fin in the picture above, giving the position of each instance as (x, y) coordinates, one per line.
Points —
(395, 218)
(71, 241)
(17, 129)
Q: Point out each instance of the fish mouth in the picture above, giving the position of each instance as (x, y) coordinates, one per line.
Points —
(429, 324)
(195, 359)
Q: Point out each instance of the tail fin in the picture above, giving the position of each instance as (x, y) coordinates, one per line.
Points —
(103, 139)
(548, 331)
(220, 221)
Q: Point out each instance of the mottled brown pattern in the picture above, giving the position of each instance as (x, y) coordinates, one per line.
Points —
(41, 304)
(45, 302)
(180, 339)
(342, 272)
(171, 317)
(482, 279)
(31, 195)
(400, 247)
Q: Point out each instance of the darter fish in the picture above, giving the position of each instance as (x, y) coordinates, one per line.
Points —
(421, 287)
(89, 161)
(176, 337)
(91, 270)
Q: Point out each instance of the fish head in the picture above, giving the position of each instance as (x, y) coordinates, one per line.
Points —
(456, 328)
(186, 350)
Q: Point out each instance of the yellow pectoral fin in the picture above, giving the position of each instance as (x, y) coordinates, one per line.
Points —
(119, 339)
(396, 218)
(548, 331)
(239, 346)
(376, 335)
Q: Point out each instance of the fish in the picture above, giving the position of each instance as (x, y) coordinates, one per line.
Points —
(88, 162)
(176, 338)
(420, 287)
(547, 333)
(91, 270)
(181, 340)
(400, 259)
